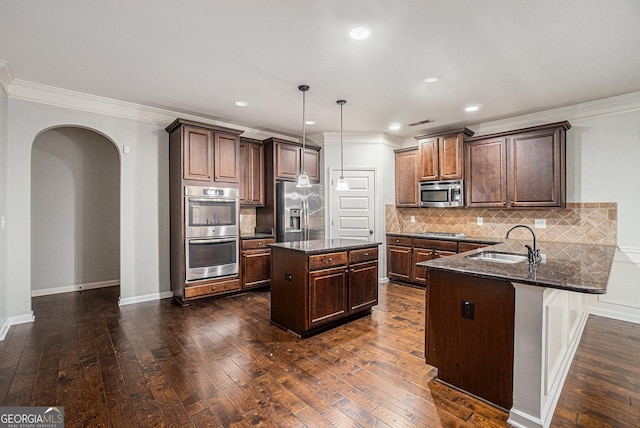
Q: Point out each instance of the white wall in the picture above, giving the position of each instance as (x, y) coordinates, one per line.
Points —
(4, 302)
(144, 198)
(75, 210)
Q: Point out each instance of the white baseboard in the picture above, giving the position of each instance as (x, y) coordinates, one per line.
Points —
(4, 330)
(617, 312)
(71, 288)
(145, 298)
(20, 319)
(383, 280)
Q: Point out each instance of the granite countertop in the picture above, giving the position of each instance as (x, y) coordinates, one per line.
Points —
(324, 245)
(583, 268)
(257, 236)
(456, 237)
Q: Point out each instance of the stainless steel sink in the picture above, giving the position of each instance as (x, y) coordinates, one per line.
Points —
(498, 257)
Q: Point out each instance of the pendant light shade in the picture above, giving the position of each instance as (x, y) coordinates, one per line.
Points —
(342, 182)
(303, 178)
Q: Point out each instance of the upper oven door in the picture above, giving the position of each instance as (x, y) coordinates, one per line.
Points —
(207, 216)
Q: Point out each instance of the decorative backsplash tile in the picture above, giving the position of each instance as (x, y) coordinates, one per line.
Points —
(247, 221)
(591, 223)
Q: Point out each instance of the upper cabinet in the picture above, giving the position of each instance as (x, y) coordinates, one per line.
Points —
(440, 155)
(407, 164)
(208, 153)
(288, 161)
(517, 169)
(251, 189)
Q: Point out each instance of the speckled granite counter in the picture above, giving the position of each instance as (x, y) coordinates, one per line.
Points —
(574, 267)
(457, 238)
(257, 236)
(324, 246)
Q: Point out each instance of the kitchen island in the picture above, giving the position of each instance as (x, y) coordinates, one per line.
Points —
(507, 331)
(316, 285)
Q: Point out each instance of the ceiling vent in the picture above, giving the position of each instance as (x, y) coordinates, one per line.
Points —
(422, 122)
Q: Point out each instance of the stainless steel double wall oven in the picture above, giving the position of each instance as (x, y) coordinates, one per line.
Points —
(211, 232)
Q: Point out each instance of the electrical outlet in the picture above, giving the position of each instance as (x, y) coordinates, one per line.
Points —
(240, 218)
(540, 223)
(413, 219)
(479, 221)
(468, 309)
(126, 150)
(3, 222)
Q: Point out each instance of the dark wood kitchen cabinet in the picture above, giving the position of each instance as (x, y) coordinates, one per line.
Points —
(406, 177)
(289, 162)
(208, 153)
(256, 262)
(316, 291)
(441, 155)
(199, 155)
(404, 253)
(251, 191)
(469, 334)
(517, 169)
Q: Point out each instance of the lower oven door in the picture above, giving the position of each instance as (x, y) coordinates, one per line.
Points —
(210, 258)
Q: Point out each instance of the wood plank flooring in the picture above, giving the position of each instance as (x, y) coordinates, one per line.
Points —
(221, 363)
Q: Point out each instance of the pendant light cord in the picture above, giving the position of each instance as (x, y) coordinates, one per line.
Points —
(342, 103)
(304, 90)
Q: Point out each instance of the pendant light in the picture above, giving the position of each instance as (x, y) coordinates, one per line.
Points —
(342, 182)
(303, 178)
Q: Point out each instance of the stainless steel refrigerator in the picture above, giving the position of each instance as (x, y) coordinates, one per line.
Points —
(299, 212)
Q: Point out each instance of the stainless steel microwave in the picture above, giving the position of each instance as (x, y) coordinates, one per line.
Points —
(442, 194)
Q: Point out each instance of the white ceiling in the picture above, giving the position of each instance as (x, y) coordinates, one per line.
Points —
(510, 57)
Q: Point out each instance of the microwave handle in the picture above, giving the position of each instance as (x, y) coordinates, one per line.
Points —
(212, 241)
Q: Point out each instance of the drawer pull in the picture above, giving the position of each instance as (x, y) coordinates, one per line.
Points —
(397, 240)
(366, 254)
(329, 261)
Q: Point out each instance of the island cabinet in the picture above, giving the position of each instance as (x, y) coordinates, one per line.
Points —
(314, 291)
(406, 177)
(255, 266)
(251, 191)
(517, 169)
(441, 155)
(205, 154)
(469, 334)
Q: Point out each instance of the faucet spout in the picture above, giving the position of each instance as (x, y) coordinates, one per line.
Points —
(533, 254)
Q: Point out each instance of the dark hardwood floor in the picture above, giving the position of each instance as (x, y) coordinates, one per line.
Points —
(221, 363)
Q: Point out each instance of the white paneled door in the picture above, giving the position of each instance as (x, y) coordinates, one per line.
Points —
(352, 211)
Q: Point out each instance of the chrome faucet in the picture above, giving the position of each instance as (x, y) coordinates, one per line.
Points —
(533, 254)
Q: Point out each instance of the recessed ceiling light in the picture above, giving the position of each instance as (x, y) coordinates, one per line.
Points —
(395, 126)
(242, 103)
(472, 108)
(359, 33)
(431, 79)
(309, 122)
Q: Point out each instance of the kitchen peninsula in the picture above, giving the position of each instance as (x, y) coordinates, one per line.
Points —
(507, 331)
(316, 285)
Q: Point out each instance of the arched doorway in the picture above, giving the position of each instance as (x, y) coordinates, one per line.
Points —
(75, 211)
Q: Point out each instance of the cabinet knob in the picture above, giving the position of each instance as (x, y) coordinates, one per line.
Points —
(330, 260)
(366, 254)
(397, 240)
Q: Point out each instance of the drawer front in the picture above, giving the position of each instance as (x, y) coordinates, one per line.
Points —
(250, 244)
(436, 244)
(356, 256)
(323, 261)
(211, 288)
(468, 246)
(398, 240)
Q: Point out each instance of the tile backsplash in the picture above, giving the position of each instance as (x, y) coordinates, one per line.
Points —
(247, 221)
(589, 223)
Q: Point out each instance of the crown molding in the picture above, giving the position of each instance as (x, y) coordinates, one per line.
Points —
(58, 97)
(6, 76)
(599, 108)
(383, 138)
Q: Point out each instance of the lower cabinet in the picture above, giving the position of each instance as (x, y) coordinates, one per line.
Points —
(403, 253)
(312, 292)
(255, 264)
